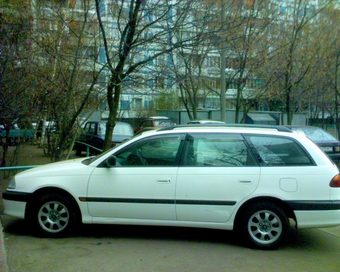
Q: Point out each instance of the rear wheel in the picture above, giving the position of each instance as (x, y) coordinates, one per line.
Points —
(53, 216)
(264, 225)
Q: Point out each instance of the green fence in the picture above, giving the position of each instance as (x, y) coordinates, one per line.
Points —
(88, 147)
(10, 168)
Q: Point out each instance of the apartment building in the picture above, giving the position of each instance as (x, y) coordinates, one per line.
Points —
(175, 75)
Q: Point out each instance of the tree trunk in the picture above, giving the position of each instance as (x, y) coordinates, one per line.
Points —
(114, 91)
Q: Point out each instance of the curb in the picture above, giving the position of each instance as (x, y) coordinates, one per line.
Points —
(3, 256)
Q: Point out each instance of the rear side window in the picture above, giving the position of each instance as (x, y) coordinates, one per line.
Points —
(278, 151)
(217, 150)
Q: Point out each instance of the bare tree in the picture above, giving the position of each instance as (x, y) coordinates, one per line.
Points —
(143, 32)
(66, 46)
(15, 72)
(323, 81)
(190, 62)
(293, 60)
(248, 48)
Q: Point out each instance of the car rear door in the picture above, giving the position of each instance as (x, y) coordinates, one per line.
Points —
(218, 171)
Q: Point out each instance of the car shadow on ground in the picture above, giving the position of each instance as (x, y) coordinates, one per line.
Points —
(19, 227)
(299, 240)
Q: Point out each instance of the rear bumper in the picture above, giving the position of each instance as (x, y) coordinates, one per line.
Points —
(314, 205)
(316, 214)
(317, 219)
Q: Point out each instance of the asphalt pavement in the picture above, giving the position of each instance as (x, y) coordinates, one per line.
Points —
(3, 256)
(163, 249)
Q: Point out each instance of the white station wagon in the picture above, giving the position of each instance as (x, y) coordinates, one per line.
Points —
(252, 180)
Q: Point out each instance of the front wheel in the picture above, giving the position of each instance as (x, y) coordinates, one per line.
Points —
(264, 225)
(53, 216)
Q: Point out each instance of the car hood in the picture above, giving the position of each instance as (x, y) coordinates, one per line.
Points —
(117, 138)
(120, 138)
(69, 167)
(327, 143)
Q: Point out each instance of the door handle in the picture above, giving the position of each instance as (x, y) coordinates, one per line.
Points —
(245, 181)
(163, 180)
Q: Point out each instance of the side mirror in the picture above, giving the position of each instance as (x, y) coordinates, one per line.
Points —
(111, 161)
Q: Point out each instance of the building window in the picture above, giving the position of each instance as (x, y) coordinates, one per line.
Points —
(137, 103)
(124, 104)
(212, 84)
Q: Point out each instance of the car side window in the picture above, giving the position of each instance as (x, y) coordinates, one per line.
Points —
(147, 123)
(101, 129)
(215, 150)
(90, 128)
(87, 128)
(279, 151)
(157, 151)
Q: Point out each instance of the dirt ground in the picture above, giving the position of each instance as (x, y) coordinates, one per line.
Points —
(26, 155)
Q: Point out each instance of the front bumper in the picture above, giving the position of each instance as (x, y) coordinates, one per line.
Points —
(15, 203)
(15, 208)
(16, 196)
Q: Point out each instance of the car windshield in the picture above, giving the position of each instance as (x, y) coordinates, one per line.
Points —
(163, 123)
(120, 129)
(315, 134)
(90, 160)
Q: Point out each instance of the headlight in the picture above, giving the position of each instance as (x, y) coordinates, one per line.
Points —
(11, 184)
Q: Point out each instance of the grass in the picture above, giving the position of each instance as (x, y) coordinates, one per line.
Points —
(26, 155)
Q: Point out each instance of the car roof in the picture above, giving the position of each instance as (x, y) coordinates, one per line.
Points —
(104, 122)
(157, 118)
(218, 128)
(229, 126)
(207, 121)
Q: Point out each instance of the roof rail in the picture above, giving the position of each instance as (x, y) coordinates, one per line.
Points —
(274, 127)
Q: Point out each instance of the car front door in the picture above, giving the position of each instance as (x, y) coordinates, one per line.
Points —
(142, 183)
(218, 172)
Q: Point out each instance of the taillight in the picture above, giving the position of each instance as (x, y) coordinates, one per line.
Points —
(335, 182)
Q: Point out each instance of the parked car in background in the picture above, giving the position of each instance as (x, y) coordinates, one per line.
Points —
(205, 122)
(94, 135)
(44, 127)
(327, 142)
(256, 181)
(16, 135)
(154, 122)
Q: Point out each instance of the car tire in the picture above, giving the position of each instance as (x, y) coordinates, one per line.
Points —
(264, 225)
(53, 216)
